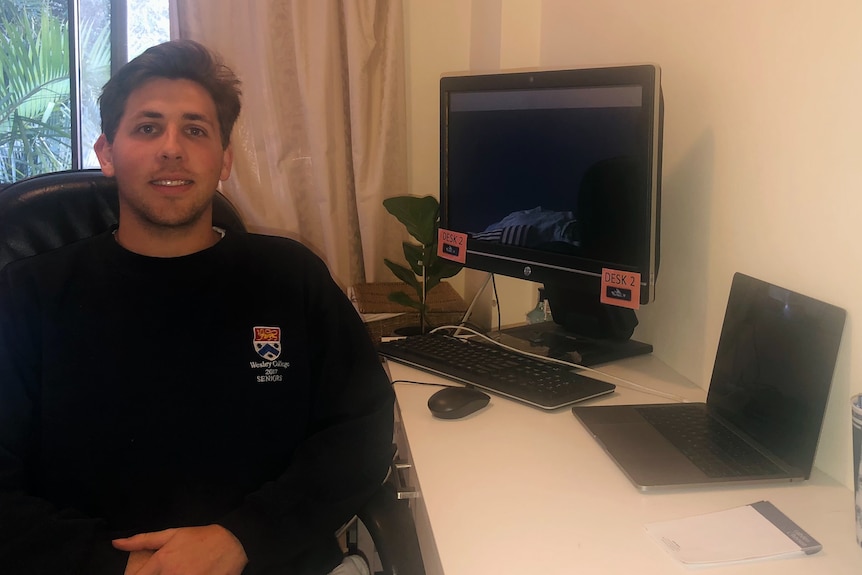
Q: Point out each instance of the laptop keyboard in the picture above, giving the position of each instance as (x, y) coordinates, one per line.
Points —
(539, 383)
(711, 446)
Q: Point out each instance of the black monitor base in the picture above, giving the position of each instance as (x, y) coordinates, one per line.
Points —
(552, 340)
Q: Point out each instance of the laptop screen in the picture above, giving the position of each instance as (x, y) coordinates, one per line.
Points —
(773, 367)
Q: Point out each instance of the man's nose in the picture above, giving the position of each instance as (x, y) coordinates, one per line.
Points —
(172, 148)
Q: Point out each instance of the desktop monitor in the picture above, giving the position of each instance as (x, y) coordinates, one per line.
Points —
(555, 177)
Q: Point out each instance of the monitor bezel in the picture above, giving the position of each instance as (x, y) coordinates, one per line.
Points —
(543, 267)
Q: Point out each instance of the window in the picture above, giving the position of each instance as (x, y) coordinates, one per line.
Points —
(55, 57)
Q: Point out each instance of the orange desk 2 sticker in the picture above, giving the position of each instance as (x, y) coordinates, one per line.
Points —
(452, 245)
(622, 289)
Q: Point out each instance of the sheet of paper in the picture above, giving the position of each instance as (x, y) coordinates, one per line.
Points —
(753, 531)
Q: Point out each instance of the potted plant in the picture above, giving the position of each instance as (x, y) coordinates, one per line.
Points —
(420, 216)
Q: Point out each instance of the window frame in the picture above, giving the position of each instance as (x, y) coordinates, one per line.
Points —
(119, 57)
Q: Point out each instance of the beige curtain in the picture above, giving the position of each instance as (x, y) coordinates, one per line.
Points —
(321, 140)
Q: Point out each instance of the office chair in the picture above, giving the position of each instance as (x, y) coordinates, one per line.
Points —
(49, 211)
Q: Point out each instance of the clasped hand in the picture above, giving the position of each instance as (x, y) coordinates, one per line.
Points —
(207, 550)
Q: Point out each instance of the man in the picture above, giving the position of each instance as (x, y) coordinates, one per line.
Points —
(174, 398)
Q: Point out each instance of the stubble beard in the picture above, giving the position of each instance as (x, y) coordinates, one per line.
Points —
(174, 218)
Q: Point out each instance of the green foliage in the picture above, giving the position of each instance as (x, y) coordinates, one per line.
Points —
(420, 217)
(35, 114)
(57, 8)
(95, 41)
(148, 25)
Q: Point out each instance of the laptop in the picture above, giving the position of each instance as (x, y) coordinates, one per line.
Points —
(764, 409)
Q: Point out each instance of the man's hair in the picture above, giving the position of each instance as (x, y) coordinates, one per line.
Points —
(174, 60)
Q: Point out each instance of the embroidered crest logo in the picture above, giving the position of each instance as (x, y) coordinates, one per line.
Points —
(267, 342)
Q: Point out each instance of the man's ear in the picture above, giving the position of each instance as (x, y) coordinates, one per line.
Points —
(104, 152)
(226, 162)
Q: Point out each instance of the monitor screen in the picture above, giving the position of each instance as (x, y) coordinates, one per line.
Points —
(555, 177)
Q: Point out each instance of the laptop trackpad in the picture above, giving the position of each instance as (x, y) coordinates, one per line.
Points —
(644, 455)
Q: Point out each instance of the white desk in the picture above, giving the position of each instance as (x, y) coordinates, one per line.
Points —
(515, 490)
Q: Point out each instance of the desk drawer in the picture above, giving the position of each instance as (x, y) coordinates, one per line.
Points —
(403, 472)
(407, 483)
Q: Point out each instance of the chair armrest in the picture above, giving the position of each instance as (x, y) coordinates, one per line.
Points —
(389, 521)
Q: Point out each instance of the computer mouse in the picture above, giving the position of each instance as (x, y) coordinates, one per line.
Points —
(457, 402)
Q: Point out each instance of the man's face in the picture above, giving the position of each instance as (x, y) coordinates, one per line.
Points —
(167, 155)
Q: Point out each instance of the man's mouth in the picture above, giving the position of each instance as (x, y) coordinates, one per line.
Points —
(172, 183)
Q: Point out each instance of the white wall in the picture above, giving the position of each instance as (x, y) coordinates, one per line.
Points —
(454, 36)
(762, 127)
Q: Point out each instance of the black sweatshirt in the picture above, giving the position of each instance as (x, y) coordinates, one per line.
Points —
(235, 386)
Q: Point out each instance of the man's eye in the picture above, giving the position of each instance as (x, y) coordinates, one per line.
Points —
(195, 131)
(147, 129)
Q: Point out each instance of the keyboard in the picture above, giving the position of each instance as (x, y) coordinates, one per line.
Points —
(710, 445)
(537, 382)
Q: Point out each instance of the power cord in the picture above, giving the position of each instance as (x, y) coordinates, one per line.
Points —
(499, 305)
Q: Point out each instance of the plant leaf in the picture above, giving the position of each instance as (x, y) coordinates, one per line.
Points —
(418, 214)
(442, 269)
(35, 104)
(402, 298)
(405, 275)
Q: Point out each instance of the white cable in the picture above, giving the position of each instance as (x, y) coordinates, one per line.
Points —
(625, 382)
(473, 303)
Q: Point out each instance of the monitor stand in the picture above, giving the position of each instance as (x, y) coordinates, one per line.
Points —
(608, 329)
(552, 340)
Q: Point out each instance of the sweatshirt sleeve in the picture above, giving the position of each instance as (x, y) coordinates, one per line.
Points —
(35, 536)
(347, 455)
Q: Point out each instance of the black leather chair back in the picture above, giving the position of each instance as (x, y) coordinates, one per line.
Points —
(49, 211)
